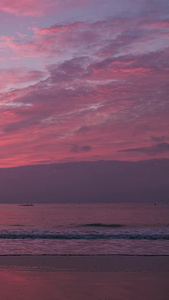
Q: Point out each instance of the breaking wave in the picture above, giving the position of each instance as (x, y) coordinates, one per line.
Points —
(81, 235)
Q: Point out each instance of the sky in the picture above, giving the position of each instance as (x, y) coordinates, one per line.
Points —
(83, 80)
(87, 182)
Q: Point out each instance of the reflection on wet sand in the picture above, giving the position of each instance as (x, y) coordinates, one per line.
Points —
(85, 278)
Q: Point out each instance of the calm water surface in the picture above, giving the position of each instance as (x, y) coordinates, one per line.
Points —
(84, 229)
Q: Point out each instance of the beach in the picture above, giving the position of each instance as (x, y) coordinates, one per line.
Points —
(104, 277)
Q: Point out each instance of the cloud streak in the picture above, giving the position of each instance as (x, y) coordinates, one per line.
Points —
(153, 150)
(26, 7)
(18, 76)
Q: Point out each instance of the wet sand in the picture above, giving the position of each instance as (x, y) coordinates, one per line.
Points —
(84, 277)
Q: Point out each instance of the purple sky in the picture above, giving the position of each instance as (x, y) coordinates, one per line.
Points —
(83, 80)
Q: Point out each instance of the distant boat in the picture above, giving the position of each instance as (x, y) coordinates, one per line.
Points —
(26, 204)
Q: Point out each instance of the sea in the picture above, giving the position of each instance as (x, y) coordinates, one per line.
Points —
(84, 229)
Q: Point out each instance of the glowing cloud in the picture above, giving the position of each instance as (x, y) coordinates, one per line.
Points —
(84, 89)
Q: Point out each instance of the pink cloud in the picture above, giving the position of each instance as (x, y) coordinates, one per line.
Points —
(83, 116)
(71, 37)
(25, 7)
(39, 7)
(106, 92)
(109, 38)
(17, 76)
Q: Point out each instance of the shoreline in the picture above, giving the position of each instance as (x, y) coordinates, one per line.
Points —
(84, 255)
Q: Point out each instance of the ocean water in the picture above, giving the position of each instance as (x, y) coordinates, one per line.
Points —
(90, 229)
